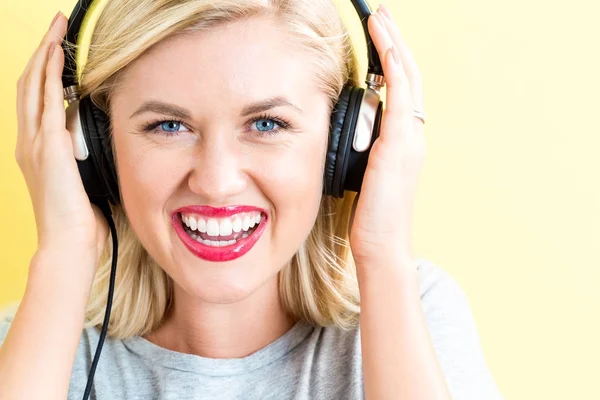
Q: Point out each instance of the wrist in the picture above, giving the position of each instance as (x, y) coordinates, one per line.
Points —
(392, 267)
(399, 261)
(61, 275)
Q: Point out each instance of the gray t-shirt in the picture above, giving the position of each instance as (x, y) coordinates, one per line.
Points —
(305, 363)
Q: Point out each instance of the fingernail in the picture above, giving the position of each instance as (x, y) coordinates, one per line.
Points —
(51, 51)
(54, 20)
(378, 18)
(395, 53)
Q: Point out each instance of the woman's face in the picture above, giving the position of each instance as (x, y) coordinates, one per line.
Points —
(226, 98)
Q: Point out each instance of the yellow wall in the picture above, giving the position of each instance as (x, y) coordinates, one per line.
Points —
(509, 202)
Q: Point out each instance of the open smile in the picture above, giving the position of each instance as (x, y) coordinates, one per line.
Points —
(219, 234)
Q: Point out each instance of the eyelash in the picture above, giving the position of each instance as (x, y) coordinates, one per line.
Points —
(283, 125)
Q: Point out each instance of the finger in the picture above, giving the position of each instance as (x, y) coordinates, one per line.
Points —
(25, 123)
(24, 76)
(53, 116)
(410, 65)
(27, 69)
(399, 104)
(33, 92)
(21, 86)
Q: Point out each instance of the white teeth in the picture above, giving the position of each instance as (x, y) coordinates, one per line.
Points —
(202, 225)
(212, 227)
(237, 224)
(225, 227)
(192, 223)
(213, 243)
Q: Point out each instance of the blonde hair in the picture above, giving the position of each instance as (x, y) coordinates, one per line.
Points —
(319, 285)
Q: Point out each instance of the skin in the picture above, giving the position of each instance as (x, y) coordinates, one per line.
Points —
(219, 157)
(399, 360)
(398, 357)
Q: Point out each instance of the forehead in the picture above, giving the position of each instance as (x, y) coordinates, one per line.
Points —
(253, 58)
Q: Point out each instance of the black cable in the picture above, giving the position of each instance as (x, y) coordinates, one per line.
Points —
(111, 289)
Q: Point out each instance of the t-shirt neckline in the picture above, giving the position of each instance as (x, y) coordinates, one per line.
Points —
(220, 366)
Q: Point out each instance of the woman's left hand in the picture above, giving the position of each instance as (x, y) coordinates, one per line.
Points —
(381, 229)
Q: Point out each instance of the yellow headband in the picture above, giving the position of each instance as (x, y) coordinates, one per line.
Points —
(85, 34)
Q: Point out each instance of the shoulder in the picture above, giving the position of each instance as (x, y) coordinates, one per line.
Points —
(447, 311)
(441, 298)
(437, 288)
(112, 357)
(453, 333)
(7, 315)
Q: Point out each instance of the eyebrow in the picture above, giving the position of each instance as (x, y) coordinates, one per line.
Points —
(268, 104)
(182, 113)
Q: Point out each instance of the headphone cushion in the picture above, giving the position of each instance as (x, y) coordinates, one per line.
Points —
(338, 116)
(344, 122)
(96, 125)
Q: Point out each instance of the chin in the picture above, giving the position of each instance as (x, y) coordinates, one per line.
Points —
(224, 283)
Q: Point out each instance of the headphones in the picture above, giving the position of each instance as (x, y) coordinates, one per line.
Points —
(355, 124)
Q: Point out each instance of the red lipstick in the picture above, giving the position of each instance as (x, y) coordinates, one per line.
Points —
(212, 253)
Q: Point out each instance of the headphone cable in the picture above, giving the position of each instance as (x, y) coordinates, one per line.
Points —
(104, 206)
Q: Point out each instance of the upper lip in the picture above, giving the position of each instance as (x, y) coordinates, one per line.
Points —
(219, 212)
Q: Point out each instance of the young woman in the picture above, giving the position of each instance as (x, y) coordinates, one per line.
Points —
(237, 278)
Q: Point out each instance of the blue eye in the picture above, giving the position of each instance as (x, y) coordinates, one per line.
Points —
(165, 127)
(268, 125)
(170, 126)
(265, 125)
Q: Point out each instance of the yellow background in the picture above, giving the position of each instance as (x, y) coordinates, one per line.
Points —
(509, 201)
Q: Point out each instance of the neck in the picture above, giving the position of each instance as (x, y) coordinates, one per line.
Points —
(232, 330)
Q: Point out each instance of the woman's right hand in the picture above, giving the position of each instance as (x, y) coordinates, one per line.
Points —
(65, 218)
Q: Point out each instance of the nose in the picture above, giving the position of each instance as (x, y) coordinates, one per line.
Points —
(218, 175)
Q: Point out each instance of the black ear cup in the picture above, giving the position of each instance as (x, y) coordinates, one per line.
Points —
(98, 171)
(345, 142)
(335, 132)
(355, 163)
(345, 167)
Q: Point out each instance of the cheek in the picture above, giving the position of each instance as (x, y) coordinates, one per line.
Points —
(147, 178)
(293, 180)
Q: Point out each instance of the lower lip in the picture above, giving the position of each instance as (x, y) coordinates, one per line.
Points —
(218, 254)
